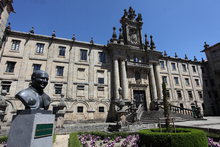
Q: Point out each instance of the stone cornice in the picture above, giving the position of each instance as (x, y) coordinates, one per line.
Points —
(180, 60)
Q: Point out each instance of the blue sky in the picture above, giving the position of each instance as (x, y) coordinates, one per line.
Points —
(179, 26)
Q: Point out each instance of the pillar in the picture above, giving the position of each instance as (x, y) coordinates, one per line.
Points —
(153, 84)
(158, 83)
(124, 80)
(116, 79)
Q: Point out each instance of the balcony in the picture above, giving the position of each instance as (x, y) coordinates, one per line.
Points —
(138, 65)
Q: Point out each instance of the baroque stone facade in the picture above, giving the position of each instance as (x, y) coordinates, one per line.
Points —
(90, 76)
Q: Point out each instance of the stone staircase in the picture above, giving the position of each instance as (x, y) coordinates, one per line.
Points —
(154, 116)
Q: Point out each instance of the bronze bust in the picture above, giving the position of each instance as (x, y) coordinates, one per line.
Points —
(34, 97)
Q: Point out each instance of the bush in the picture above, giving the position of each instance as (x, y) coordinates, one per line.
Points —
(183, 138)
(3, 139)
(74, 141)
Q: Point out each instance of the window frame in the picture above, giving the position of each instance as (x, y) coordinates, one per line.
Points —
(80, 109)
(15, 45)
(102, 57)
(59, 71)
(58, 88)
(62, 51)
(83, 54)
(10, 66)
(39, 48)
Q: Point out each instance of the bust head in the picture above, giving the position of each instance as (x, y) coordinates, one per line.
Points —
(39, 79)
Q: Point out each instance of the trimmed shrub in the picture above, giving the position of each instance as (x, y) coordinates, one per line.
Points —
(3, 139)
(74, 141)
(182, 138)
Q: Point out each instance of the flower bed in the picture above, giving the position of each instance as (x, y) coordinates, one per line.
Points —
(211, 143)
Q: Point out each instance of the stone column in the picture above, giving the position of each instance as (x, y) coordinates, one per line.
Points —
(124, 81)
(116, 79)
(158, 83)
(153, 84)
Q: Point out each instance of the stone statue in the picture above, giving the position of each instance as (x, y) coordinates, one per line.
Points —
(34, 96)
(2, 98)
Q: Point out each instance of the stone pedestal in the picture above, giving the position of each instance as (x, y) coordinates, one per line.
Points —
(31, 128)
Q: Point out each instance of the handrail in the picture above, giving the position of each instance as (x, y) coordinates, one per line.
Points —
(180, 110)
(140, 111)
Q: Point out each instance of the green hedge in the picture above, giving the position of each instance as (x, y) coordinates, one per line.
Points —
(3, 139)
(183, 138)
(74, 141)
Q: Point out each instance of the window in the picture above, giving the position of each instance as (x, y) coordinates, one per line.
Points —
(187, 81)
(194, 68)
(80, 109)
(168, 94)
(10, 66)
(197, 82)
(58, 88)
(184, 67)
(40, 48)
(173, 66)
(80, 87)
(62, 51)
(190, 95)
(36, 67)
(15, 45)
(59, 70)
(101, 80)
(179, 94)
(6, 86)
(164, 78)
(176, 79)
(102, 57)
(100, 88)
(162, 65)
(200, 94)
(83, 55)
(101, 109)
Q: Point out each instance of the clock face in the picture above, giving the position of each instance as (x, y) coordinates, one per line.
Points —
(133, 36)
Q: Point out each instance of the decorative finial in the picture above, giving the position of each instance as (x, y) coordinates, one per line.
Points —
(74, 37)
(176, 56)
(203, 60)
(195, 58)
(139, 18)
(120, 35)
(164, 53)
(32, 30)
(114, 35)
(186, 57)
(131, 14)
(206, 45)
(53, 34)
(91, 41)
(125, 13)
(8, 28)
(147, 46)
(152, 44)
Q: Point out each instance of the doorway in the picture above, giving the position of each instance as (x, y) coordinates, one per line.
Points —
(139, 97)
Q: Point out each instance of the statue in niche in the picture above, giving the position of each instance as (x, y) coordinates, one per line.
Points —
(34, 97)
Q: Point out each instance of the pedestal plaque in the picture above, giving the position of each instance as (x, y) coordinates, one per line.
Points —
(32, 128)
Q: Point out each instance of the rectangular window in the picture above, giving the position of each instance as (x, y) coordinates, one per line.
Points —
(15, 45)
(80, 109)
(187, 81)
(83, 55)
(80, 87)
(100, 88)
(59, 70)
(101, 109)
(190, 95)
(102, 57)
(173, 66)
(10, 66)
(101, 80)
(168, 94)
(184, 67)
(58, 88)
(6, 86)
(179, 94)
(40, 48)
(194, 68)
(36, 67)
(176, 79)
(200, 94)
(164, 78)
(62, 51)
(162, 65)
(197, 82)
